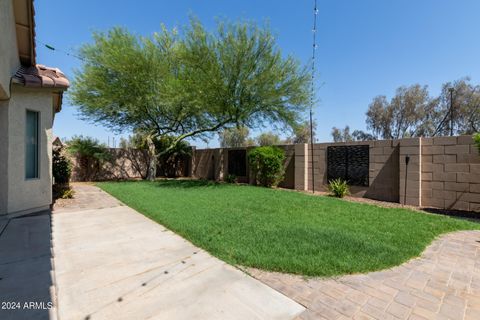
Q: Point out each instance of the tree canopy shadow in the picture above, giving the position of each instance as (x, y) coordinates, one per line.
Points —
(187, 183)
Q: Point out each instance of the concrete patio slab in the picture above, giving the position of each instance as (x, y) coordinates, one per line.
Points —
(114, 263)
(26, 286)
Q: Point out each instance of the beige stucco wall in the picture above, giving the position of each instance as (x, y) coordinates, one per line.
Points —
(3, 155)
(9, 61)
(36, 194)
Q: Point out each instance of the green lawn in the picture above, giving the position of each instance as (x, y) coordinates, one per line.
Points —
(285, 231)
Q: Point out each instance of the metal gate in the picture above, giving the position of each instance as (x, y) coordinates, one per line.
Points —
(349, 163)
(237, 162)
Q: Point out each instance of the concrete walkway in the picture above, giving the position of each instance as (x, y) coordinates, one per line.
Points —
(114, 263)
(26, 287)
(443, 284)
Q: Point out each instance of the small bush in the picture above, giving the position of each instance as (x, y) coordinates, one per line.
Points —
(62, 191)
(67, 194)
(61, 166)
(338, 187)
(266, 164)
(476, 139)
(231, 178)
(90, 155)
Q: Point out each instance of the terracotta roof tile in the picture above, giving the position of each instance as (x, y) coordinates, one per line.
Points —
(41, 76)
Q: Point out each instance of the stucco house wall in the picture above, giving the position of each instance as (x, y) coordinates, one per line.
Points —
(9, 61)
(3, 155)
(29, 195)
(25, 85)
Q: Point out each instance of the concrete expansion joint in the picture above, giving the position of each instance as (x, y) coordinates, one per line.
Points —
(157, 273)
(5, 227)
(53, 313)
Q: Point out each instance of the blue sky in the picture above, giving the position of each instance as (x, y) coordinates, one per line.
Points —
(365, 48)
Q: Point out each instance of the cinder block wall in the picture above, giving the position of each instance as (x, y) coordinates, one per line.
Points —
(410, 175)
(124, 164)
(208, 164)
(383, 169)
(212, 164)
(442, 172)
(289, 179)
(450, 173)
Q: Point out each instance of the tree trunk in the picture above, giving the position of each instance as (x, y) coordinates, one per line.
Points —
(152, 163)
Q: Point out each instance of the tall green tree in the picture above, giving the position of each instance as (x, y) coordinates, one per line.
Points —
(406, 115)
(341, 135)
(412, 112)
(360, 135)
(268, 139)
(344, 135)
(235, 137)
(301, 133)
(466, 108)
(189, 84)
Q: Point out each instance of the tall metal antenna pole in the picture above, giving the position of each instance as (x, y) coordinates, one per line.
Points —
(451, 110)
(312, 102)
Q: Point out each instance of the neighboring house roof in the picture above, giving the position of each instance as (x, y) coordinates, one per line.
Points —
(40, 76)
(57, 142)
(30, 74)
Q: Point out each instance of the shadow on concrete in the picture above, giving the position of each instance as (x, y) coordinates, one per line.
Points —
(25, 267)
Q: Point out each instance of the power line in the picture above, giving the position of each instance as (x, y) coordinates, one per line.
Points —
(68, 53)
(312, 97)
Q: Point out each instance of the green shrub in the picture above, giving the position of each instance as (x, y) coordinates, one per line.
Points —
(231, 178)
(266, 164)
(338, 187)
(90, 154)
(67, 193)
(88, 147)
(62, 191)
(61, 166)
(476, 139)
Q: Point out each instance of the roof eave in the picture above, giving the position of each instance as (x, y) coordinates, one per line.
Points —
(25, 28)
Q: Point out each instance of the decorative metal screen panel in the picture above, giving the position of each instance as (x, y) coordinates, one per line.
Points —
(349, 163)
(237, 162)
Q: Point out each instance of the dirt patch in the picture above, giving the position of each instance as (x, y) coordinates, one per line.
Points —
(475, 216)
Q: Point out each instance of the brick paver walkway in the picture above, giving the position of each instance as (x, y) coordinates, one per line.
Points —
(444, 283)
(86, 197)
